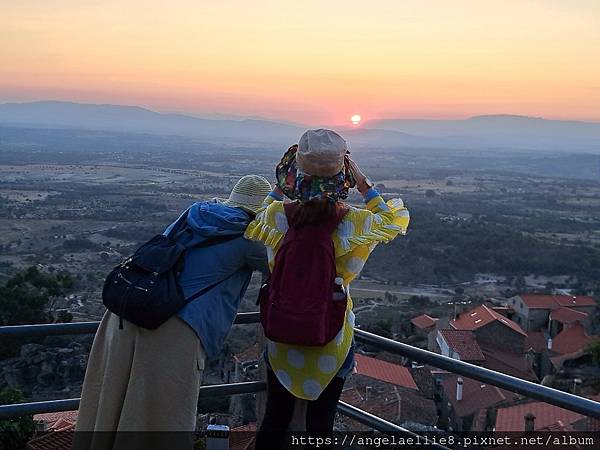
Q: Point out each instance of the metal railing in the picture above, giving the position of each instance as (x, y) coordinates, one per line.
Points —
(546, 394)
(220, 390)
(532, 390)
(72, 404)
(60, 329)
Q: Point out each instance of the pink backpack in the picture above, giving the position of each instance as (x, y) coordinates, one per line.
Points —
(297, 304)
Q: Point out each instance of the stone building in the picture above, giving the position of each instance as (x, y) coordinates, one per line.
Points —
(532, 311)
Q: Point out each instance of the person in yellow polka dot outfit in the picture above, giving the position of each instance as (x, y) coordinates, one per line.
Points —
(306, 371)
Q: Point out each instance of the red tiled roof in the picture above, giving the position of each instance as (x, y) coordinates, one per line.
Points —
(512, 418)
(252, 353)
(51, 418)
(558, 426)
(384, 371)
(53, 440)
(481, 316)
(248, 427)
(539, 301)
(567, 315)
(390, 404)
(423, 321)
(62, 424)
(476, 395)
(464, 343)
(510, 363)
(571, 300)
(243, 437)
(543, 301)
(352, 396)
(536, 340)
(571, 340)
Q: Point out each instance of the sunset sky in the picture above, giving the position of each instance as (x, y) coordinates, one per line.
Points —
(308, 61)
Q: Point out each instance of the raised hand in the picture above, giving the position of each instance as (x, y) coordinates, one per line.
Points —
(358, 175)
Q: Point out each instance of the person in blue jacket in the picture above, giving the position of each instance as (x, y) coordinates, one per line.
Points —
(148, 380)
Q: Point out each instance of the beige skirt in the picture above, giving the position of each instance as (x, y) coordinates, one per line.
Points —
(140, 380)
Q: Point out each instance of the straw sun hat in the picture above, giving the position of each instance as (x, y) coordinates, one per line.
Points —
(249, 193)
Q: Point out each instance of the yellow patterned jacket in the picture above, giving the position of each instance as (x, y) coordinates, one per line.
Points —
(305, 371)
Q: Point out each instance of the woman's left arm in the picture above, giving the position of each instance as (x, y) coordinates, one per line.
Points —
(391, 217)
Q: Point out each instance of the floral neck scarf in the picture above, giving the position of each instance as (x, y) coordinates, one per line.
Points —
(304, 187)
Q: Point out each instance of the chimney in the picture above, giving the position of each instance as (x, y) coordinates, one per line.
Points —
(217, 437)
(41, 426)
(576, 385)
(549, 343)
(368, 393)
(529, 422)
(459, 389)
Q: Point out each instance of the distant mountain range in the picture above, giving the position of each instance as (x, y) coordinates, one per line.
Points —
(136, 119)
(482, 132)
(506, 131)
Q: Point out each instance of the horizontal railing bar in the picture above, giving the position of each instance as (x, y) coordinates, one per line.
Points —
(382, 425)
(58, 329)
(220, 390)
(72, 404)
(49, 329)
(249, 387)
(532, 390)
(29, 409)
(510, 383)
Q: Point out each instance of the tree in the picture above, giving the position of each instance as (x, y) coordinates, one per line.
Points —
(25, 299)
(382, 328)
(14, 433)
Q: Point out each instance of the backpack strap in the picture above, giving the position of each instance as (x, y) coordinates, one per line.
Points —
(216, 240)
(209, 243)
(340, 213)
(179, 227)
(204, 290)
(290, 209)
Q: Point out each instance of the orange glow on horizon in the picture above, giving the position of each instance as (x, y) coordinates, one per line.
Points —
(430, 59)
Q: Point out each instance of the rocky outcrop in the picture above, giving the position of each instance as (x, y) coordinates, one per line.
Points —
(45, 372)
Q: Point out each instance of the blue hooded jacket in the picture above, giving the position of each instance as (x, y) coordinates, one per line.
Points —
(232, 262)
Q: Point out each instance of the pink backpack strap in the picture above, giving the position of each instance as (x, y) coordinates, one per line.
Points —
(290, 209)
(340, 213)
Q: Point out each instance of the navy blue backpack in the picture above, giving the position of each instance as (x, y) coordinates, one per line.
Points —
(144, 289)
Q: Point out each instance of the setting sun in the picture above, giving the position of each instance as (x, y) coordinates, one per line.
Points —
(355, 119)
